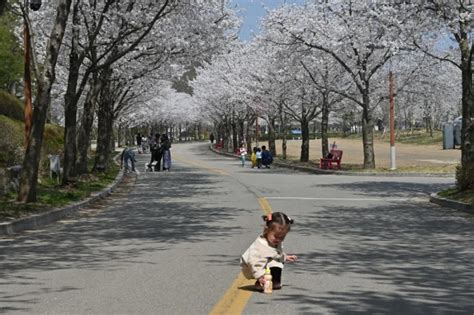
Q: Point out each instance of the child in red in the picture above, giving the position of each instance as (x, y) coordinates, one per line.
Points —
(267, 250)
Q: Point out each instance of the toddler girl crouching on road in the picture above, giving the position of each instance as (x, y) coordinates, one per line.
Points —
(267, 250)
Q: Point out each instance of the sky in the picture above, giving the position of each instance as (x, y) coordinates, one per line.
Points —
(252, 11)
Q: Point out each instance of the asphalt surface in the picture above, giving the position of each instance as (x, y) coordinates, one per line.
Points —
(169, 243)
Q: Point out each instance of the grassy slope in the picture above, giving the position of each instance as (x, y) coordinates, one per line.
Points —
(50, 195)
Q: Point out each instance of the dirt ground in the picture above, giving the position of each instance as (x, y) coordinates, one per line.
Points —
(407, 155)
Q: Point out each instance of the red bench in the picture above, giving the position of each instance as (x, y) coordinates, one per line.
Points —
(327, 163)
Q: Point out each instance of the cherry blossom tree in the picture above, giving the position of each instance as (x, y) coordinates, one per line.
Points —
(439, 20)
(45, 76)
(361, 36)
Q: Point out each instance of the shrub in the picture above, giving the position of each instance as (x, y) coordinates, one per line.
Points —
(12, 150)
(53, 143)
(11, 142)
(465, 177)
(11, 106)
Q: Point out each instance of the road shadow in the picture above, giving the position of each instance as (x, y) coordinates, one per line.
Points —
(388, 188)
(421, 257)
(163, 209)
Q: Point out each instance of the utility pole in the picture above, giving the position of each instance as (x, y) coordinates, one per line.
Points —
(392, 122)
(256, 131)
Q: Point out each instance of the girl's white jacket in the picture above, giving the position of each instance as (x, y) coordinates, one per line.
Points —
(258, 256)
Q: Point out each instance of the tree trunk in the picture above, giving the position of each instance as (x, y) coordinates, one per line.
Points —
(304, 141)
(228, 135)
(70, 104)
(324, 126)
(465, 176)
(241, 131)
(120, 135)
(368, 134)
(430, 121)
(197, 133)
(283, 130)
(104, 134)
(29, 174)
(84, 134)
(112, 138)
(105, 118)
(235, 143)
(467, 134)
(272, 136)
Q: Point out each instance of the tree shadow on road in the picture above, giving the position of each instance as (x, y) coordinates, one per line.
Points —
(163, 210)
(419, 255)
(388, 188)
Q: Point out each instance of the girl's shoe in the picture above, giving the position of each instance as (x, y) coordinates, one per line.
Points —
(276, 286)
(258, 286)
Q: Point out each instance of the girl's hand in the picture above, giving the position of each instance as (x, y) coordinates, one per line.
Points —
(291, 257)
(262, 280)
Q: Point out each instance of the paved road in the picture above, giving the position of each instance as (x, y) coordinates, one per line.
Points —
(170, 243)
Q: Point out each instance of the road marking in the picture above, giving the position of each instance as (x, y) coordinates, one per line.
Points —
(342, 199)
(210, 169)
(235, 299)
(265, 205)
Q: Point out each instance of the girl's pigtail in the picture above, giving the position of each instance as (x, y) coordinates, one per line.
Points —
(267, 218)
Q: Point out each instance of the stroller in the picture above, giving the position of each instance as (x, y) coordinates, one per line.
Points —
(155, 164)
(151, 167)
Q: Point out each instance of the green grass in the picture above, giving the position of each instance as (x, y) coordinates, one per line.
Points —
(50, 195)
(418, 137)
(435, 169)
(463, 196)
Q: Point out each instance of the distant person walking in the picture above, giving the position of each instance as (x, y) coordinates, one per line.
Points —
(211, 138)
(139, 142)
(165, 148)
(156, 153)
(243, 153)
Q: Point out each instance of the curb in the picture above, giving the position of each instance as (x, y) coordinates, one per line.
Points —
(332, 172)
(41, 219)
(457, 205)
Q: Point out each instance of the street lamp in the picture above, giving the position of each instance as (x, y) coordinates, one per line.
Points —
(34, 5)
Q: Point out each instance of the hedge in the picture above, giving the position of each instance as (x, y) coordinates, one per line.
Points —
(11, 106)
(11, 143)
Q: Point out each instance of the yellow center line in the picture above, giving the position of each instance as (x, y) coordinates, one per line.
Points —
(235, 299)
(265, 205)
(210, 169)
(237, 296)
